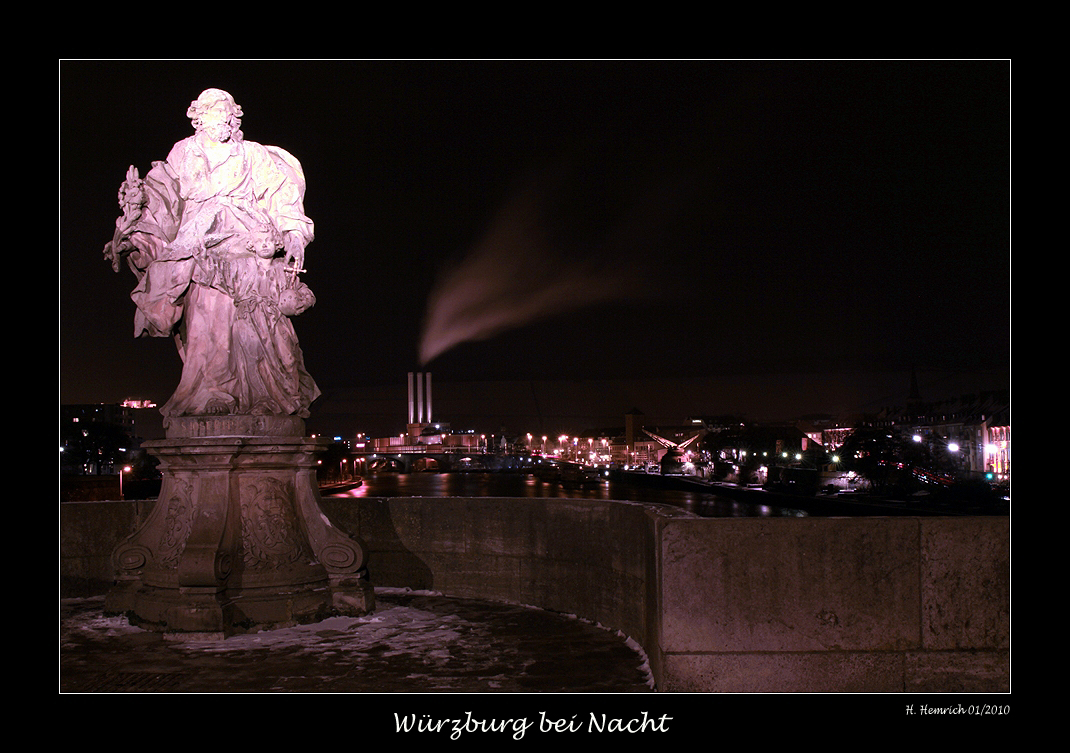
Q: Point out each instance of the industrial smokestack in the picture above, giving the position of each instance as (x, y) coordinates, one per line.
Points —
(429, 397)
(419, 398)
(419, 395)
(411, 403)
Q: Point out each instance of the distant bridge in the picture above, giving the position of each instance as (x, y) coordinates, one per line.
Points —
(416, 458)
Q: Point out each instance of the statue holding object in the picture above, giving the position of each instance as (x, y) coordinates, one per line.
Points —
(216, 236)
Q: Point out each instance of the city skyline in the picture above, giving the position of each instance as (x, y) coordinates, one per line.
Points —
(653, 220)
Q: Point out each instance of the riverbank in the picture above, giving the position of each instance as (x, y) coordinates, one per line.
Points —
(842, 503)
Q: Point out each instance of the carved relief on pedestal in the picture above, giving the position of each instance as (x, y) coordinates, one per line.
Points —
(342, 557)
(269, 526)
(161, 550)
(130, 559)
(178, 522)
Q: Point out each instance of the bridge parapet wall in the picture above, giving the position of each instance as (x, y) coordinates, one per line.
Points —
(591, 558)
(835, 605)
(719, 605)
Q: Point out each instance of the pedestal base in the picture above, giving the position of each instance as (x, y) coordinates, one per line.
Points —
(237, 540)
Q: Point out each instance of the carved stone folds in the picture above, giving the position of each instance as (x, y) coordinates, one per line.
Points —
(237, 539)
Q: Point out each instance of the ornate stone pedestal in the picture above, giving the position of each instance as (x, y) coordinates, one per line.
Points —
(237, 539)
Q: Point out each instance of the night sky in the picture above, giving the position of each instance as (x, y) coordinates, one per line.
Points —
(606, 221)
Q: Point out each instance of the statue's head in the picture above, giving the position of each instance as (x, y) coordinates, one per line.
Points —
(216, 113)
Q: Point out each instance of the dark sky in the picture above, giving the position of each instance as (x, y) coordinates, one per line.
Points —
(598, 220)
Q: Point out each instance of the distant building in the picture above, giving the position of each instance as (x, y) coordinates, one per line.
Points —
(436, 437)
(95, 438)
(114, 414)
(974, 430)
(825, 430)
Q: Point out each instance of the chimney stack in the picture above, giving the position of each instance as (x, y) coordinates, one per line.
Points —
(429, 397)
(411, 404)
(419, 392)
(420, 398)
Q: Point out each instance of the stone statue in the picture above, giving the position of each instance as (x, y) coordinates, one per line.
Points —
(216, 235)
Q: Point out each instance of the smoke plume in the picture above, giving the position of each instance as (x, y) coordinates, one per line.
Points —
(522, 272)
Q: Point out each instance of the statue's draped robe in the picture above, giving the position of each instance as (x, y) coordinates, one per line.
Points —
(200, 281)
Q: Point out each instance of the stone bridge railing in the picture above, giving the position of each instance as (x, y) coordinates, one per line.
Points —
(881, 605)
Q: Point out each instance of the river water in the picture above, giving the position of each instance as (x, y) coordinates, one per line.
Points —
(522, 485)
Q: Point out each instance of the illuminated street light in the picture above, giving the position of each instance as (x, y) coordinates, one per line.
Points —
(124, 469)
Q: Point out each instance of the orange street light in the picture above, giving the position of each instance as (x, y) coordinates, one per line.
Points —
(124, 469)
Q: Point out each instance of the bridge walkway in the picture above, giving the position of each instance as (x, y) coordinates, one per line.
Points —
(414, 642)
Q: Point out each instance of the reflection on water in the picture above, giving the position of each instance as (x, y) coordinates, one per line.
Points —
(520, 485)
